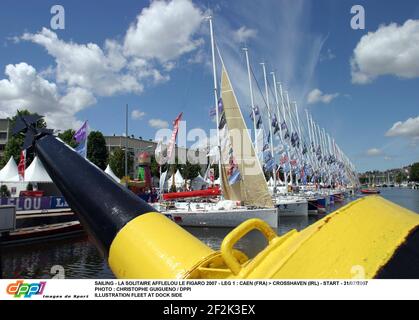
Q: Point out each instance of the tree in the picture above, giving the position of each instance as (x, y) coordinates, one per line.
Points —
(4, 192)
(117, 161)
(414, 172)
(190, 171)
(14, 144)
(68, 137)
(96, 149)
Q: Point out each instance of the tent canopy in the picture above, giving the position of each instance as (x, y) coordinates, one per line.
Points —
(179, 181)
(36, 172)
(10, 172)
(109, 171)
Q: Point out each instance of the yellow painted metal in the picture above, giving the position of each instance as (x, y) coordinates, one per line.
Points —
(227, 247)
(153, 246)
(353, 242)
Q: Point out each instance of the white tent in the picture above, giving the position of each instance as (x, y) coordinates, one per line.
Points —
(179, 181)
(36, 172)
(198, 183)
(10, 172)
(109, 171)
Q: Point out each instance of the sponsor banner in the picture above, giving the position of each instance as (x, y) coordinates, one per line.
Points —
(58, 203)
(21, 290)
(35, 203)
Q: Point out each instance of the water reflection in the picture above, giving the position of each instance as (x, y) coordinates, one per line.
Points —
(80, 258)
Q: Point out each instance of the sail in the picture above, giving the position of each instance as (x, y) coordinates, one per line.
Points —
(248, 184)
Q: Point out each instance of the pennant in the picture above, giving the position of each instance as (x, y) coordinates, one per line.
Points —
(81, 136)
(22, 165)
(259, 123)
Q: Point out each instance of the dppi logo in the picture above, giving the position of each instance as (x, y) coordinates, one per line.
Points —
(27, 290)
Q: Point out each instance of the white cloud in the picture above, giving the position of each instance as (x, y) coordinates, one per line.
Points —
(374, 152)
(137, 114)
(158, 123)
(317, 96)
(165, 30)
(244, 34)
(24, 88)
(391, 50)
(409, 128)
(87, 65)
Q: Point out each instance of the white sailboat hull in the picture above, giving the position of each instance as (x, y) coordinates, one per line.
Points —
(292, 208)
(222, 218)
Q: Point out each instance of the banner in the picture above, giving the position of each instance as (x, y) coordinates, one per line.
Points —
(35, 203)
(251, 290)
(81, 138)
(172, 142)
(22, 165)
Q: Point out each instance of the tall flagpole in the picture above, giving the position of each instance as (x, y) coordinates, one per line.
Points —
(270, 122)
(251, 98)
(214, 70)
(126, 140)
(278, 119)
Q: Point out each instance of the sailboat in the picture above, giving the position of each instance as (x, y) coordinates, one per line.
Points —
(245, 192)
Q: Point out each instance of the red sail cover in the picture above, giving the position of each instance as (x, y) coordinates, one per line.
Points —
(211, 192)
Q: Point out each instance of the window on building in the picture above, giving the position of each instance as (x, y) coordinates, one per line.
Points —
(3, 135)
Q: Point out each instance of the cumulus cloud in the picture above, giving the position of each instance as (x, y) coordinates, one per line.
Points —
(137, 114)
(87, 65)
(408, 128)
(391, 50)
(24, 88)
(164, 31)
(374, 152)
(243, 34)
(317, 96)
(158, 123)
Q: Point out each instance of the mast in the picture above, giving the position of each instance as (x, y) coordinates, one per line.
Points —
(252, 102)
(285, 120)
(126, 141)
(214, 70)
(270, 121)
(292, 129)
(279, 119)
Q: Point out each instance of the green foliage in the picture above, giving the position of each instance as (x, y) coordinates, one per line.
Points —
(190, 171)
(96, 149)
(155, 168)
(4, 192)
(414, 172)
(68, 137)
(117, 161)
(15, 143)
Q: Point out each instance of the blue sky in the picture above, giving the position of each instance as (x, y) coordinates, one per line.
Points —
(154, 56)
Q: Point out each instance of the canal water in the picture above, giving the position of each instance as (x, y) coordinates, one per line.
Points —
(77, 258)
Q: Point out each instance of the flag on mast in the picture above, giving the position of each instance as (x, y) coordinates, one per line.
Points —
(81, 138)
(22, 165)
(173, 137)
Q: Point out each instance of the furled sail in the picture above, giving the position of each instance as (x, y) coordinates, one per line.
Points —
(243, 178)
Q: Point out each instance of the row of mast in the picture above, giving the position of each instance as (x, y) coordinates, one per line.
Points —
(321, 149)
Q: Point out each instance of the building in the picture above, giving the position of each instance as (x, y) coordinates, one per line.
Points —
(4, 134)
(137, 146)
